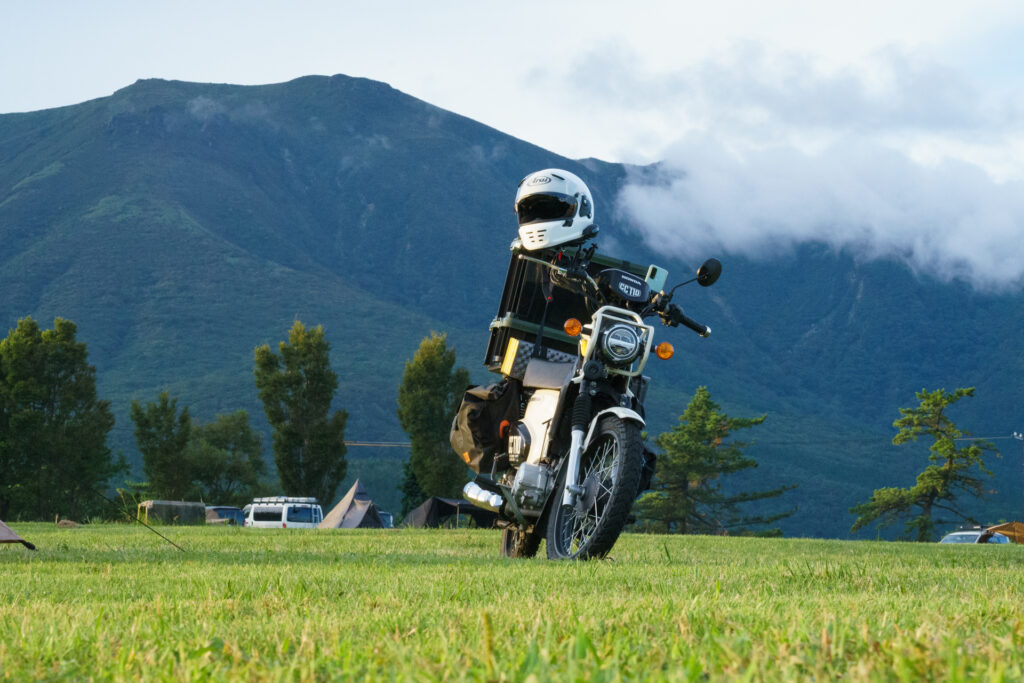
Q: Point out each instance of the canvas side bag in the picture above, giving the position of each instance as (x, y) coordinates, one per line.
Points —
(475, 429)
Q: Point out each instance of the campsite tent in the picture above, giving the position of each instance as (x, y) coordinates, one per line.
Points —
(435, 511)
(354, 511)
(7, 535)
(1012, 530)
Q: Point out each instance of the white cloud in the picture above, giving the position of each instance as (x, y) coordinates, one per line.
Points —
(951, 220)
(755, 95)
(894, 155)
(888, 89)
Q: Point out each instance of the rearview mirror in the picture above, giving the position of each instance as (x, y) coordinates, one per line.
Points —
(709, 271)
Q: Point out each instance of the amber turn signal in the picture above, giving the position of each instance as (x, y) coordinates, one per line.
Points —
(664, 350)
(573, 327)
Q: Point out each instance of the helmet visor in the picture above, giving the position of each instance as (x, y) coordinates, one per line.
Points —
(546, 206)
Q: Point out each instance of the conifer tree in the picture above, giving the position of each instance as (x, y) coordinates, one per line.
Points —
(430, 394)
(687, 494)
(297, 388)
(953, 471)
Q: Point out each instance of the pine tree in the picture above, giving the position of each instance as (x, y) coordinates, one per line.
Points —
(297, 387)
(952, 471)
(430, 394)
(688, 494)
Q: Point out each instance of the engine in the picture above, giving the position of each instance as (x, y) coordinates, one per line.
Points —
(531, 487)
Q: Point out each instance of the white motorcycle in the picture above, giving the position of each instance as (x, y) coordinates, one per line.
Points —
(557, 444)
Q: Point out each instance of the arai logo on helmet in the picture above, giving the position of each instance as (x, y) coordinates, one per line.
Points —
(540, 180)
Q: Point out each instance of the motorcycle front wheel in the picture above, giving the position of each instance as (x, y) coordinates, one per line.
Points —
(610, 471)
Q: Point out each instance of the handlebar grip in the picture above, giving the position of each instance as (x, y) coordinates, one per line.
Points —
(681, 318)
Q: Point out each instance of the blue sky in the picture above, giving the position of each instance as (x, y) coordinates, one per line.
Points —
(886, 127)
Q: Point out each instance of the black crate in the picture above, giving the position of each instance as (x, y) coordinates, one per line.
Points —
(522, 305)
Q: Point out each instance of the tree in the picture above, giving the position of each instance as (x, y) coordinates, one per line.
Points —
(687, 494)
(162, 435)
(952, 470)
(53, 427)
(412, 494)
(227, 459)
(297, 387)
(430, 394)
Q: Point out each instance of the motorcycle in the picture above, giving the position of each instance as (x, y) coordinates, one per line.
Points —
(567, 459)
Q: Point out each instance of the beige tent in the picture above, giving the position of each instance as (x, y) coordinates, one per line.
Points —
(7, 535)
(1012, 530)
(354, 511)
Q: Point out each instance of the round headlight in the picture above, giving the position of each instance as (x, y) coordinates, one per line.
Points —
(620, 344)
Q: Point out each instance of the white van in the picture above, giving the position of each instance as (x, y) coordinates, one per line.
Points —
(285, 512)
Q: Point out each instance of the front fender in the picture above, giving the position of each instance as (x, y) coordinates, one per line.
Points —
(625, 414)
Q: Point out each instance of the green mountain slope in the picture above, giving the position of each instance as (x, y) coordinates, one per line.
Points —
(180, 225)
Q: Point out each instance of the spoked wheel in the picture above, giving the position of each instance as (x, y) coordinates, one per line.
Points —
(517, 543)
(609, 475)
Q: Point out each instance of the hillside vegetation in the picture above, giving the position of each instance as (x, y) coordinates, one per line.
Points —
(181, 225)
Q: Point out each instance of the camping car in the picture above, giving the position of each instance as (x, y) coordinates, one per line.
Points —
(283, 512)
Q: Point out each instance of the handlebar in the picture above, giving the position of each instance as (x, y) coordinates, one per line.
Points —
(669, 313)
(575, 272)
(677, 317)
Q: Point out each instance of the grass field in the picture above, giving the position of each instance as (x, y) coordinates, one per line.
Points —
(116, 602)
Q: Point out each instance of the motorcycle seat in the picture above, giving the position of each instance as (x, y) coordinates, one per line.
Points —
(545, 374)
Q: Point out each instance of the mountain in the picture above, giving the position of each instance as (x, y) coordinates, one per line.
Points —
(180, 225)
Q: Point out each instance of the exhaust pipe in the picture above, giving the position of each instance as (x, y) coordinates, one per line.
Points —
(482, 498)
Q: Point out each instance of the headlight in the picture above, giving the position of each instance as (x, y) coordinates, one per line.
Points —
(620, 343)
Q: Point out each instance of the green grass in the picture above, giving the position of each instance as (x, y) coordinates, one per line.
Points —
(116, 602)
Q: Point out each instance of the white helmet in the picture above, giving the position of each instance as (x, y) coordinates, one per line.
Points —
(553, 207)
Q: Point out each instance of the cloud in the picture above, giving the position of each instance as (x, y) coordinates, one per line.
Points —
(894, 155)
(890, 89)
(751, 90)
(951, 220)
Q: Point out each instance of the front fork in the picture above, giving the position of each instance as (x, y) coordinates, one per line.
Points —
(580, 419)
(584, 418)
(572, 471)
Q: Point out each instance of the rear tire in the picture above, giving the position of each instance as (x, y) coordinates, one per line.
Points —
(517, 543)
(610, 475)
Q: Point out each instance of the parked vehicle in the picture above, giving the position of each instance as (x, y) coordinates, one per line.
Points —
(171, 512)
(283, 512)
(230, 515)
(975, 535)
(557, 443)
